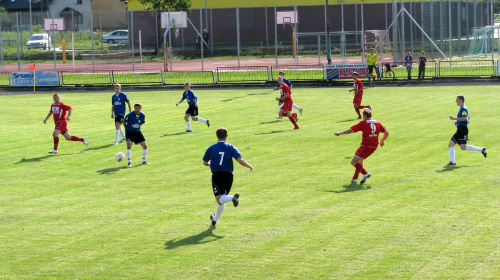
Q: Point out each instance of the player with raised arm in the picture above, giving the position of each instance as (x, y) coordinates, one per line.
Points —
(118, 111)
(192, 110)
(369, 143)
(220, 159)
(289, 84)
(133, 122)
(358, 94)
(461, 136)
(58, 109)
(286, 97)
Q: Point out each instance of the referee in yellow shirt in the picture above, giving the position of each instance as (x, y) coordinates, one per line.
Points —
(372, 61)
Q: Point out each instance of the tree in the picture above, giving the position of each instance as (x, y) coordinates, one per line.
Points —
(163, 5)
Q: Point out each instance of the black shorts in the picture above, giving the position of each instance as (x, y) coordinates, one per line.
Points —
(192, 110)
(461, 136)
(222, 182)
(370, 69)
(134, 136)
(119, 118)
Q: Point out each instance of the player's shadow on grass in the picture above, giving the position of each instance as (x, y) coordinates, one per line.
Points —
(174, 134)
(350, 120)
(447, 168)
(352, 188)
(200, 238)
(113, 170)
(99, 148)
(271, 122)
(231, 99)
(36, 159)
(270, 132)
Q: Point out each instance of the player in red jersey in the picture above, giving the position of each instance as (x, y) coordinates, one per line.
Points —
(58, 110)
(286, 97)
(371, 129)
(358, 94)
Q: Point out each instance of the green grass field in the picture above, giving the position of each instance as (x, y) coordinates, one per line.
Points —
(82, 215)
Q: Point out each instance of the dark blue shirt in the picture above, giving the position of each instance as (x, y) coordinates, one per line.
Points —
(463, 112)
(134, 122)
(221, 156)
(190, 97)
(118, 100)
(286, 82)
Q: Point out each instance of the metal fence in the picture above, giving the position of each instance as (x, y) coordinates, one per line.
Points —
(441, 28)
(264, 74)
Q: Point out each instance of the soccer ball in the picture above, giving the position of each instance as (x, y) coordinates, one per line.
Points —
(120, 156)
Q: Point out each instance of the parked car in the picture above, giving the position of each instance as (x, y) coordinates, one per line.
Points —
(39, 41)
(117, 36)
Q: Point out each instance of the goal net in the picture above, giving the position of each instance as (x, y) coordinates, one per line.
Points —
(480, 42)
(372, 38)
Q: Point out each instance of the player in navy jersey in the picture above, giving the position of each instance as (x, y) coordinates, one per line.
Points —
(462, 135)
(289, 84)
(192, 110)
(133, 122)
(118, 111)
(220, 159)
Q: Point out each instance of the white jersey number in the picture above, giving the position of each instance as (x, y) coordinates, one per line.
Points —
(373, 127)
(221, 157)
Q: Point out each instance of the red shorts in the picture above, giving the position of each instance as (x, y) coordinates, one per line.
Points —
(365, 151)
(357, 99)
(287, 106)
(62, 126)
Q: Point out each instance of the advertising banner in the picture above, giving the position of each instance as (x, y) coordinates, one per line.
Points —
(42, 78)
(344, 71)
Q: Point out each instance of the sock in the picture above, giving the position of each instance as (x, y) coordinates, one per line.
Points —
(452, 154)
(295, 106)
(202, 120)
(220, 208)
(188, 125)
(356, 174)
(292, 119)
(284, 114)
(129, 155)
(122, 133)
(225, 198)
(362, 106)
(294, 115)
(56, 142)
(144, 154)
(472, 148)
(360, 167)
(76, 138)
(117, 133)
(357, 112)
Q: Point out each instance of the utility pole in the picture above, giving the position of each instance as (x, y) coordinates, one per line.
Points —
(328, 43)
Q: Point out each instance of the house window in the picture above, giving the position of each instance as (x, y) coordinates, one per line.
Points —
(79, 18)
(78, 2)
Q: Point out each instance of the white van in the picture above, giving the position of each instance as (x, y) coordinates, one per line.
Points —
(39, 41)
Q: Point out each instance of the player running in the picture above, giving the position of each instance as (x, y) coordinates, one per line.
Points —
(286, 97)
(219, 157)
(289, 84)
(462, 135)
(371, 129)
(358, 94)
(192, 110)
(118, 111)
(58, 110)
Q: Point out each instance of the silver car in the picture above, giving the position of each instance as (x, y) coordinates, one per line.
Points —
(117, 36)
(39, 41)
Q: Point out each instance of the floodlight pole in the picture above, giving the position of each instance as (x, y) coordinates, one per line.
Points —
(328, 43)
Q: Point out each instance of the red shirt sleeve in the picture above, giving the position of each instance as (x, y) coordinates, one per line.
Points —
(66, 107)
(357, 127)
